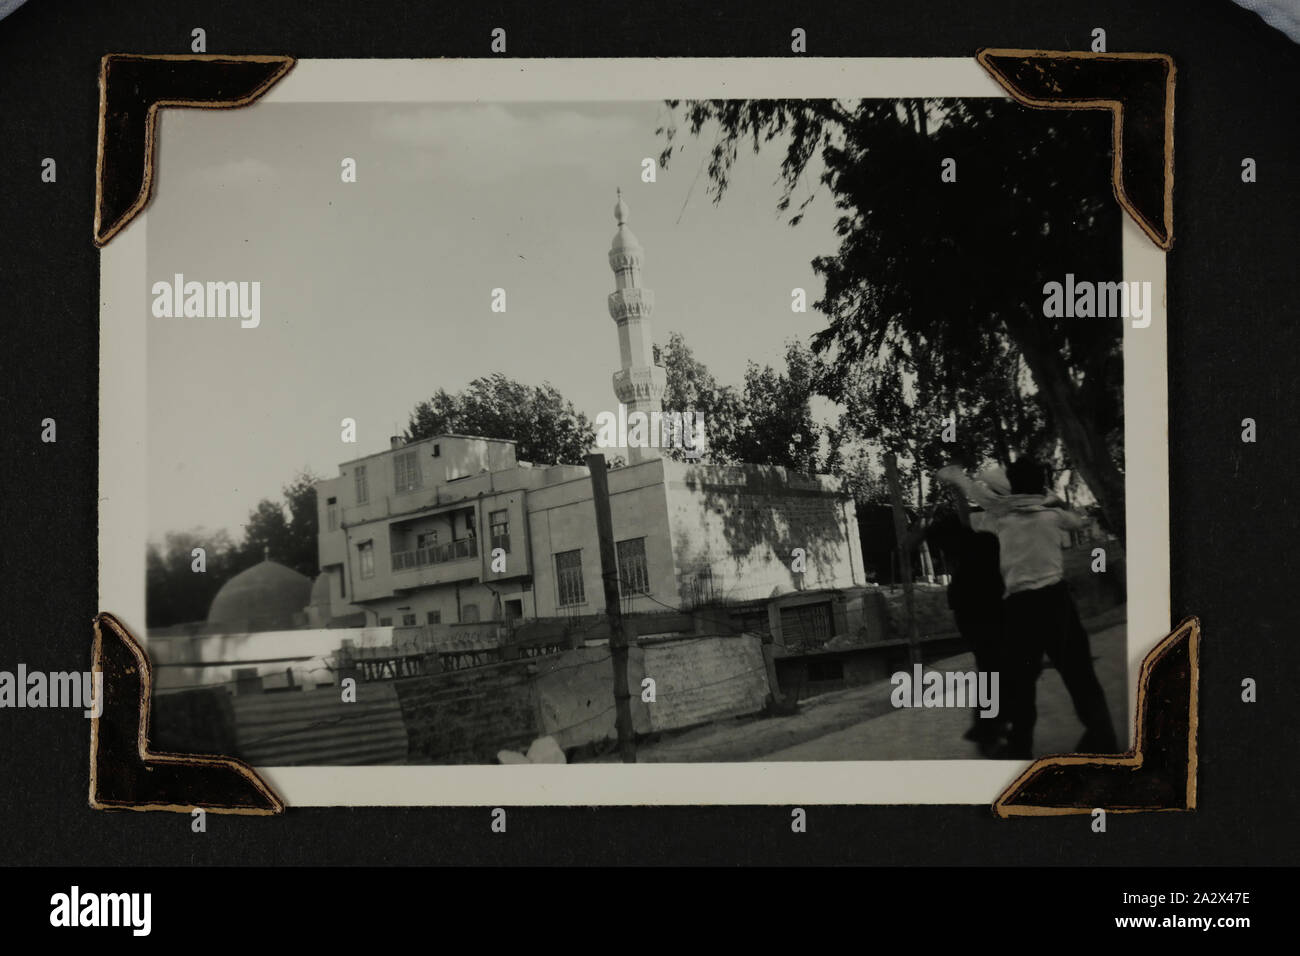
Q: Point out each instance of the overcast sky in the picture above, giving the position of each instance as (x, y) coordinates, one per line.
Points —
(377, 293)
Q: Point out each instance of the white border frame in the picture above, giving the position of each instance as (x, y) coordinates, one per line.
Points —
(123, 483)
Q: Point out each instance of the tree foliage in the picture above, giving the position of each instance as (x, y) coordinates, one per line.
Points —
(935, 291)
(174, 592)
(766, 421)
(283, 532)
(544, 425)
(691, 388)
(779, 428)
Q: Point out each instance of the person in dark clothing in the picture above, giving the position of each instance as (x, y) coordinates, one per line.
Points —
(975, 598)
(1046, 620)
(1039, 612)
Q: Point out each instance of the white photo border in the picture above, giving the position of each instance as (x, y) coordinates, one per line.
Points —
(123, 480)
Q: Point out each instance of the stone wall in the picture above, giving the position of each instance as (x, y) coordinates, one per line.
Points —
(467, 716)
(575, 696)
(703, 678)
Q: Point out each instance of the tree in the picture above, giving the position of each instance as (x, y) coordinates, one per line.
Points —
(768, 422)
(933, 278)
(266, 534)
(543, 424)
(692, 388)
(892, 405)
(863, 477)
(285, 533)
(779, 428)
(301, 552)
(175, 593)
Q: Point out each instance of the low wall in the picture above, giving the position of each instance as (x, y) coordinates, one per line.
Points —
(805, 675)
(182, 663)
(575, 696)
(467, 716)
(703, 678)
(440, 638)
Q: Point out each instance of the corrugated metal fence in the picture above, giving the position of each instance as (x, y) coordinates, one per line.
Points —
(314, 727)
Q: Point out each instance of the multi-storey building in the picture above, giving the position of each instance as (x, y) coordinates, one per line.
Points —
(454, 529)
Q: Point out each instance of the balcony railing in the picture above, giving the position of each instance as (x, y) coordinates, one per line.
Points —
(438, 554)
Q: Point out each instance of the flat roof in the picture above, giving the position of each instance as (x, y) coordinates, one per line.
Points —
(421, 441)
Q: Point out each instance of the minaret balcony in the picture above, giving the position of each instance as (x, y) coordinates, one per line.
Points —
(633, 303)
(640, 385)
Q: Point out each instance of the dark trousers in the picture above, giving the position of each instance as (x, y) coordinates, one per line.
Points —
(1046, 620)
(980, 625)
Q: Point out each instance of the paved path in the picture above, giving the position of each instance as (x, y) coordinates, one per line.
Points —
(936, 733)
(860, 723)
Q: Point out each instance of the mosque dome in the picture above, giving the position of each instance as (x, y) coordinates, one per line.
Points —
(267, 595)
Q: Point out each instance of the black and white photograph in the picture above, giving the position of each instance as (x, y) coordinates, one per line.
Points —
(666, 435)
(526, 428)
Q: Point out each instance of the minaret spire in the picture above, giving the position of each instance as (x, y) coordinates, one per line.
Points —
(639, 383)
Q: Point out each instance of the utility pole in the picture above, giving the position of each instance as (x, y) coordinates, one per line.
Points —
(613, 608)
(904, 555)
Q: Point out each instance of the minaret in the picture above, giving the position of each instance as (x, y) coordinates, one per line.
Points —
(639, 384)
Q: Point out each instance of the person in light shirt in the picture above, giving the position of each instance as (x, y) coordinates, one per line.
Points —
(1038, 611)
